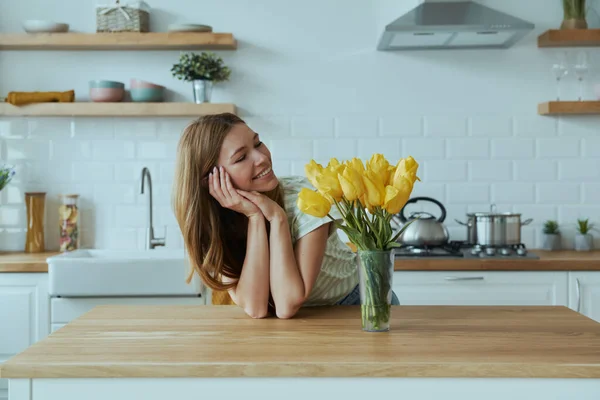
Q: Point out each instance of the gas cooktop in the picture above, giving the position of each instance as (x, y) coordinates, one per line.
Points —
(459, 249)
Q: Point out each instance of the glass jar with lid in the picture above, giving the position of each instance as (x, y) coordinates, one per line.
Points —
(68, 221)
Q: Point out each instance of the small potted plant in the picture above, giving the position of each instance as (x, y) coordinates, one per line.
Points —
(574, 15)
(583, 239)
(551, 238)
(202, 70)
(6, 175)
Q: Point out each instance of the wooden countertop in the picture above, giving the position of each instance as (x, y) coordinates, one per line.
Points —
(24, 262)
(221, 341)
(566, 260)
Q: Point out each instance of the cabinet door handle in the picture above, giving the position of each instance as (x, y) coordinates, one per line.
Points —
(578, 287)
(464, 278)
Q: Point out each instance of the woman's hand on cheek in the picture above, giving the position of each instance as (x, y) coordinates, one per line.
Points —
(220, 187)
(270, 209)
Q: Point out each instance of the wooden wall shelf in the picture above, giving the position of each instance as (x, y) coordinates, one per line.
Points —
(570, 38)
(569, 108)
(90, 109)
(118, 41)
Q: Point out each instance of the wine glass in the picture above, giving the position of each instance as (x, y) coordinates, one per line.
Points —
(581, 67)
(560, 69)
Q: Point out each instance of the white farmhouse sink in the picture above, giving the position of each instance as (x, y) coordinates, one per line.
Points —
(85, 273)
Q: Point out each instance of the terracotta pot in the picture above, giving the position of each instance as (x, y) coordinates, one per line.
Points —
(574, 24)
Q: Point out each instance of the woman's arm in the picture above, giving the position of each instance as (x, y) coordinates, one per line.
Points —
(294, 271)
(252, 289)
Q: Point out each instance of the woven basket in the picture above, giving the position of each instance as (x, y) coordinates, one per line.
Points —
(113, 18)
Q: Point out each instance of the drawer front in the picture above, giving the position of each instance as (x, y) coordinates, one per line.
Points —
(481, 288)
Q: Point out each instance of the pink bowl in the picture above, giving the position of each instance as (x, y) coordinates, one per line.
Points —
(137, 84)
(108, 95)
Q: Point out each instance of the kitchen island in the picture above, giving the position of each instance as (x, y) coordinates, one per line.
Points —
(217, 352)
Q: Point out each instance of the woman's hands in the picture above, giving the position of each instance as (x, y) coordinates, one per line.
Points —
(220, 187)
(269, 208)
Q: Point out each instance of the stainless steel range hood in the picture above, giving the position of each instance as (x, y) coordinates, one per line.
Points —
(438, 24)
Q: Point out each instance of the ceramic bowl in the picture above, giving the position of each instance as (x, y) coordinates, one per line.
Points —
(40, 26)
(597, 90)
(136, 83)
(146, 95)
(104, 95)
(106, 84)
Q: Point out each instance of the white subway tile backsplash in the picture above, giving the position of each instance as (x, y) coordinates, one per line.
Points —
(447, 125)
(536, 170)
(514, 192)
(114, 193)
(96, 128)
(390, 148)
(156, 149)
(428, 189)
(312, 127)
(491, 125)
(282, 167)
(490, 170)
(558, 148)
(51, 128)
(467, 148)
(579, 170)
(591, 193)
(356, 126)
(113, 150)
(269, 126)
(168, 128)
(424, 148)
(74, 150)
(31, 149)
(342, 149)
(558, 193)
(166, 172)
(444, 171)
(131, 172)
(11, 216)
(291, 149)
(569, 214)
(591, 147)
(513, 149)
(579, 127)
(535, 126)
(467, 193)
(540, 213)
(131, 216)
(142, 128)
(401, 125)
(86, 172)
(123, 239)
(14, 127)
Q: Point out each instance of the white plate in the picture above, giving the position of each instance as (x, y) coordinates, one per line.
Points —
(40, 26)
(189, 28)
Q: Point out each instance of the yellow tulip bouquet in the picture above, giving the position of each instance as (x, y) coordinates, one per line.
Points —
(367, 198)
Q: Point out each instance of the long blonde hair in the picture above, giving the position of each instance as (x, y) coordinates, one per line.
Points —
(214, 237)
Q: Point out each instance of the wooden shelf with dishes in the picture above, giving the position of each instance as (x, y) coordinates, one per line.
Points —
(570, 38)
(118, 41)
(569, 108)
(120, 109)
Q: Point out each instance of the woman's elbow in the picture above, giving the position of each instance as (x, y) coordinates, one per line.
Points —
(287, 312)
(256, 312)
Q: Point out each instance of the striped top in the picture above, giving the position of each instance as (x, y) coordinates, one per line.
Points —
(338, 275)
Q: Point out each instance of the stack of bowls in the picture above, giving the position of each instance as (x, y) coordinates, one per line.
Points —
(106, 91)
(146, 92)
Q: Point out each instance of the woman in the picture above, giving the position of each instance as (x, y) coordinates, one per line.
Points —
(242, 228)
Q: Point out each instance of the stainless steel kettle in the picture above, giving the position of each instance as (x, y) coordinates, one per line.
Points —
(424, 228)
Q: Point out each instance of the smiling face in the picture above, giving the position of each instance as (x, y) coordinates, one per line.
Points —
(247, 160)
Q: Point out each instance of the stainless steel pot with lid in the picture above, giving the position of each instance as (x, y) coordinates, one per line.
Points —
(494, 228)
(424, 229)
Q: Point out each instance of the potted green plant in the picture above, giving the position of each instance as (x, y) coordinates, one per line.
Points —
(202, 70)
(583, 239)
(6, 175)
(574, 15)
(551, 237)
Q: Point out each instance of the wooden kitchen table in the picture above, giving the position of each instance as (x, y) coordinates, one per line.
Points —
(217, 352)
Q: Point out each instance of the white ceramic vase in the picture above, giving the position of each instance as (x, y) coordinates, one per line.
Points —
(551, 242)
(584, 242)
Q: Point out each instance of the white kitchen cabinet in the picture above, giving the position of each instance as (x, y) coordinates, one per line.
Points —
(24, 315)
(481, 287)
(584, 293)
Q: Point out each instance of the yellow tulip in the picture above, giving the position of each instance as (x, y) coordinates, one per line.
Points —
(396, 198)
(357, 164)
(352, 183)
(313, 203)
(312, 170)
(407, 167)
(374, 189)
(333, 163)
(380, 167)
(328, 185)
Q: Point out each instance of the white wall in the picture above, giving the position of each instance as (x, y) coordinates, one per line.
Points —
(308, 77)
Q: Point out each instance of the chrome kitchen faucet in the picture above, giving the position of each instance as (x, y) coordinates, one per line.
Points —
(151, 241)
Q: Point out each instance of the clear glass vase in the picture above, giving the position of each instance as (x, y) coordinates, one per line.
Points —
(375, 272)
